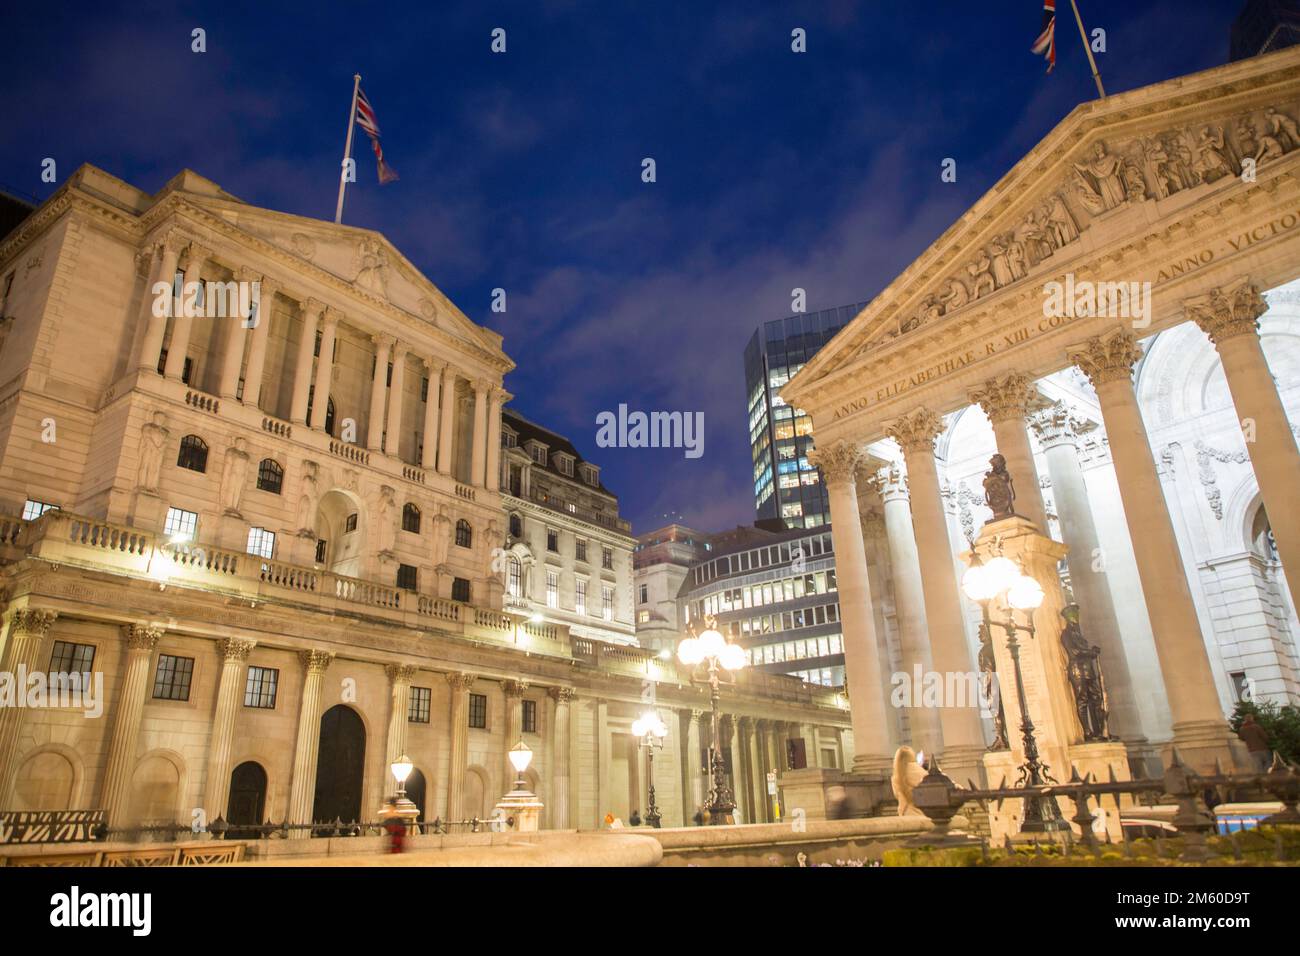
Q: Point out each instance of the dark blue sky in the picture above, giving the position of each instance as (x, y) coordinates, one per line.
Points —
(522, 170)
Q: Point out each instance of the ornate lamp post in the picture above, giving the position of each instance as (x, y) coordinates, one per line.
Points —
(520, 807)
(398, 811)
(984, 583)
(709, 654)
(651, 731)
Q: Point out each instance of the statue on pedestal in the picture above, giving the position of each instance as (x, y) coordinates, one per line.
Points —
(152, 438)
(999, 489)
(308, 496)
(233, 473)
(1083, 668)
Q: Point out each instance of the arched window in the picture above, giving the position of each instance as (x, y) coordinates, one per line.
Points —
(1261, 534)
(515, 578)
(194, 454)
(410, 518)
(516, 526)
(270, 476)
(464, 534)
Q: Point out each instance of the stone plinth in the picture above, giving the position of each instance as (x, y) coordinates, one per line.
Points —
(523, 808)
(821, 793)
(1098, 759)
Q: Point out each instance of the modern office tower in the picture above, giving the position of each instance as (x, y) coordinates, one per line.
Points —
(1264, 26)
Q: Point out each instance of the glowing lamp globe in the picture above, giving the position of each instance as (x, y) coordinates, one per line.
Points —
(976, 583)
(689, 652)
(520, 757)
(402, 768)
(712, 643)
(1002, 573)
(1025, 594)
(732, 657)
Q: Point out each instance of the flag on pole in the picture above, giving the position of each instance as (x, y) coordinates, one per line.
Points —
(370, 125)
(1045, 45)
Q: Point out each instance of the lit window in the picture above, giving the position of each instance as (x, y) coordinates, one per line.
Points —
(580, 596)
(261, 542)
(552, 589)
(607, 603)
(259, 688)
(33, 509)
(180, 524)
(515, 578)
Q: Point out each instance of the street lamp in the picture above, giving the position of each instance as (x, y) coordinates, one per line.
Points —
(520, 808)
(651, 731)
(521, 755)
(983, 583)
(708, 655)
(398, 811)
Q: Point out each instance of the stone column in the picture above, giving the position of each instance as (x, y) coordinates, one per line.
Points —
(378, 388)
(745, 735)
(514, 691)
(140, 641)
(1200, 731)
(693, 786)
(458, 752)
(399, 685)
(447, 420)
(230, 689)
(306, 751)
(862, 671)
(1007, 401)
(478, 460)
(963, 732)
(167, 251)
(429, 452)
(497, 399)
(393, 432)
(764, 765)
(909, 602)
(1057, 428)
(560, 757)
(182, 323)
(27, 630)
(232, 350)
(302, 368)
(1230, 317)
(261, 335)
(739, 791)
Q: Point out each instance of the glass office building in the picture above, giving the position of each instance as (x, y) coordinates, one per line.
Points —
(786, 485)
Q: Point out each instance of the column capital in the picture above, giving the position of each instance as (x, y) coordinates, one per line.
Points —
(268, 286)
(400, 673)
(481, 386)
(890, 482)
(1008, 398)
(432, 365)
(916, 432)
(382, 340)
(170, 240)
(459, 680)
(561, 695)
(1108, 358)
(399, 349)
(141, 637)
(1227, 311)
(514, 689)
(313, 308)
(696, 715)
(1059, 424)
(839, 462)
(35, 621)
(196, 254)
(235, 649)
(315, 661)
(332, 317)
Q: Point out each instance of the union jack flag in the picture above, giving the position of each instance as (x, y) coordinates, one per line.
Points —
(1045, 45)
(370, 125)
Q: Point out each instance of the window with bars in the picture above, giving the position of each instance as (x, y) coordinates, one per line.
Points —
(552, 541)
(607, 558)
(530, 716)
(322, 546)
(193, 454)
(261, 543)
(171, 681)
(460, 590)
(70, 658)
(552, 589)
(407, 575)
(464, 534)
(270, 476)
(417, 707)
(580, 550)
(260, 687)
(410, 518)
(580, 596)
(607, 603)
(478, 711)
(350, 524)
(181, 524)
(515, 578)
(33, 509)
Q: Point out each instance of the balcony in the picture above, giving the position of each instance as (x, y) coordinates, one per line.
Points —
(68, 539)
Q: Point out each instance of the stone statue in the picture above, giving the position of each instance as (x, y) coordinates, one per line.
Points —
(441, 534)
(1083, 668)
(1102, 175)
(1135, 185)
(997, 253)
(372, 275)
(1061, 227)
(153, 435)
(990, 690)
(308, 496)
(981, 278)
(1284, 128)
(955, 296)
(233, 472)
(999, 489)
(386, 520)
(1211, 162)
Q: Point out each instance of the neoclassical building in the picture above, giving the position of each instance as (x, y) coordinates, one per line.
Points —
(272, 536)
(1117, 318)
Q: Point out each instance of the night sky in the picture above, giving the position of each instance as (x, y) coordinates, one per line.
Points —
(523, 170)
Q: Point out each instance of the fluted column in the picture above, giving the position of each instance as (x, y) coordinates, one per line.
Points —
(320, 406)
(963, 733)
(261, 335)
(1230, 317)
(478, 459)
(1007, 402)
(378, 387)
(729, 731)
(1200, 732)
(182, 323)
(167, 251)
(447, 420)
(514, 691)
(458, 752)
(306, 751)
(763, 729)
(560, 758)
(230, 689)
(27, 630)
(393, 431)
(232, 349)
(399, 693)
(429, 452)
(1057, 429)
(497, 399)
(302, 368)
(140, 641)
(909, 601)
(862, 668)
(693, 776)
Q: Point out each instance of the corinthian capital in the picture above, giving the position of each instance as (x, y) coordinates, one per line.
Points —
(196, 255)
(1232, 309)
(460, 681)
(890, 482)
(1010, 397)
(400, 673)
(917, 431)
(1059, 424)
(561, 695)
(141, 637)
(234, 649)
(34, 621)
(515, 688)
(1108, 358)
(315, 661)
(838, 462)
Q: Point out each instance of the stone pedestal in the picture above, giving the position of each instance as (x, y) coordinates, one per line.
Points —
(232, 532)
(147, 511)
(523, 807)
(1098, 759)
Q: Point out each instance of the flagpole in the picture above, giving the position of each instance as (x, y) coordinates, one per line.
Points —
(347, 149)
(1083, 35)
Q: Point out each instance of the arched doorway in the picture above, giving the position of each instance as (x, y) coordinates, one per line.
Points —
(340, 766)
(247, 802)
(415, 791)
(340, 533)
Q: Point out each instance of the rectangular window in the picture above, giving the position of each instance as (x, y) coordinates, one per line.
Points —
(607, 558)
(530, 716)
(552, 589)
(417, 707)
(407, 576)
(261, 542)
(644, 594)
(351, 523)
(260, 687)
(607, 603)
(171, 681)
(580, 550)
(580, 596)
(552, 541)
(181, 525)
(70, 658)
(460, 590)
(33, 509)
(321, 546)
(478, 711)
(424, 389)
